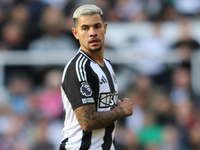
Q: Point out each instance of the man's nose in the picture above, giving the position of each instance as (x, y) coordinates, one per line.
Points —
(92, 32)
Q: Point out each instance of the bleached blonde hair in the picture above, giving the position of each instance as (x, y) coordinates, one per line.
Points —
(87, 9)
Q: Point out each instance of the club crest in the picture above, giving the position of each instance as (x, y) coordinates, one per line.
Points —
(114, 77)
(85, 89)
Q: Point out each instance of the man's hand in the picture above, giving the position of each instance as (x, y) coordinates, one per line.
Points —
(126, 105)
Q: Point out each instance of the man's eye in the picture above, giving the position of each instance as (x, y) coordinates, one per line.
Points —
(85, 28)
(98, 26)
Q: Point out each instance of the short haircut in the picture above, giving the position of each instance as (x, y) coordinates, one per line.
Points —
(87, 9)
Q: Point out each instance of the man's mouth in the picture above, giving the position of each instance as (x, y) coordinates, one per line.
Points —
(94, 41)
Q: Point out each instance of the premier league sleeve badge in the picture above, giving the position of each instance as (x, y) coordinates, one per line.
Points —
(85, 89)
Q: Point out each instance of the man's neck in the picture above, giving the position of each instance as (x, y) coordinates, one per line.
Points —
(97, 56)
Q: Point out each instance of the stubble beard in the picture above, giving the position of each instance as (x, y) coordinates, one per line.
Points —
(94, 49)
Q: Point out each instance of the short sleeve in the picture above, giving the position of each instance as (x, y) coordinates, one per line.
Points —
(77, 92)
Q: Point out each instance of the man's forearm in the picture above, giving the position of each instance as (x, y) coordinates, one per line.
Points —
(89, 119)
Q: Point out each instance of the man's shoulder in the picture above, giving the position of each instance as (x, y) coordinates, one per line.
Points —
(108, 60)
(78, 61)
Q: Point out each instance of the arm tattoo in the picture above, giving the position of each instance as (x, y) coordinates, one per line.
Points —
(90, 119)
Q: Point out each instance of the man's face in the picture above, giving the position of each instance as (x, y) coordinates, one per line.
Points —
(90, 32)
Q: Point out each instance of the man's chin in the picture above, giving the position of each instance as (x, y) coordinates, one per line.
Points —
(94, 49)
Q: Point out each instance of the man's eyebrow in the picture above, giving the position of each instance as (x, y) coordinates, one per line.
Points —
(85, 25)
(98, 24)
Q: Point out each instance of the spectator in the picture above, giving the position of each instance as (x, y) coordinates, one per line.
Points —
(153, 9)
(170, 138)
(183, 113)
(181, 88)
(12, 37)
(150, 136)
(20, 15)
(152, 50)
(125, 139)
(186, 44)
(164, 110)
(185, 36)
(53, 39)
(143, 93)
(194, 136)
(169, 12)
(41, 136)
(19, 86)
(129, 10)
(135, 122)
(188, 8)
(50, 102)
(36, 7)
(15, 133)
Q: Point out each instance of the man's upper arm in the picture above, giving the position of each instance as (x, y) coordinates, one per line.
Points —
(85, 115)
(79, 93)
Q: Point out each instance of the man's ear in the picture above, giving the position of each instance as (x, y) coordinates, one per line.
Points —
(105, 27)
(75, 33)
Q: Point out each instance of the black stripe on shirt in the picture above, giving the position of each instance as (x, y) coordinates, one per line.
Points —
(108, 75)
(108, 137)
(86, 140)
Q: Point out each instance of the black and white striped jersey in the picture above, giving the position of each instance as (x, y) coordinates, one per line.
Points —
(85, 82)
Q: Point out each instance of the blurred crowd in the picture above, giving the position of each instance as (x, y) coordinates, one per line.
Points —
(46, 24)
(166, 107)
